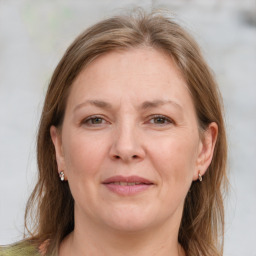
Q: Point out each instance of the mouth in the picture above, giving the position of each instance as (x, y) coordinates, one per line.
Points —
(127, 183)
(126, 186)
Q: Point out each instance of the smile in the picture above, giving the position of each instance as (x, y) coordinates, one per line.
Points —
(127, 186)
(126, 183)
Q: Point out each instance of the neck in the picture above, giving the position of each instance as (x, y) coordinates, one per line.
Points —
(91, 241)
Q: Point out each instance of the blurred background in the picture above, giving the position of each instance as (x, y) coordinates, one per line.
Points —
(34, 36)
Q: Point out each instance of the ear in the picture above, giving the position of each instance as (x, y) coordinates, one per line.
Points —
(206, 149)
(57, 141)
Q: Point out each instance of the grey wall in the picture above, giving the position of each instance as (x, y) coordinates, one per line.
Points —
(33, 37)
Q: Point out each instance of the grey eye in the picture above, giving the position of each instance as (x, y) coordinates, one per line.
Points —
(160, 120)
(96, 120)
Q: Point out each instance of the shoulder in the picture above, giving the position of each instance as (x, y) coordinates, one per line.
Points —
(24, 248)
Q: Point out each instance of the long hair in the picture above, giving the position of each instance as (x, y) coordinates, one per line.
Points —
(202, 225)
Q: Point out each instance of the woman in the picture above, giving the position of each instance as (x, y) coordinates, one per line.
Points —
(131, 147)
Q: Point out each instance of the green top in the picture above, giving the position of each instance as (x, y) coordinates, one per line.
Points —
(23, 248)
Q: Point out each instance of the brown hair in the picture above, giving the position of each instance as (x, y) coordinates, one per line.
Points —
(202, 226)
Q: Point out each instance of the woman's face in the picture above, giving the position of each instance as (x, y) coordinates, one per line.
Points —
(129, 145)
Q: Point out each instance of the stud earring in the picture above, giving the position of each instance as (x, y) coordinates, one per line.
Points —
(62, 176)
(200, 177)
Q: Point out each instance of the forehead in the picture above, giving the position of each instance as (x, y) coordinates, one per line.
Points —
(141, 74)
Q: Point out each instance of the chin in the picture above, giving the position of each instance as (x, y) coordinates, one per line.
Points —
(130, 226)
(130, 220)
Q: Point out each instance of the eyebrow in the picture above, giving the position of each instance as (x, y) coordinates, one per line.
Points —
(157, 103)
(145, 105)
(97, 103)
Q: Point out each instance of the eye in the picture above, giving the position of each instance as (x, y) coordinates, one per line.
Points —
(160, 120)
(94, 121)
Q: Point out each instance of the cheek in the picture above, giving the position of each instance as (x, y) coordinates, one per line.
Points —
(83, 154)
(83, 160)
(175, 159)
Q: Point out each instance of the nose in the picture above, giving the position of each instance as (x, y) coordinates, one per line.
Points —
(127, 146)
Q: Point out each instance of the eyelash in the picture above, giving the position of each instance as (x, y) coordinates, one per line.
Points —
(87, 120)
(169, 121)
(164, 118)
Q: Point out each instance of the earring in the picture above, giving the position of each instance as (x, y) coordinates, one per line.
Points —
(62, 176)
(200, 177)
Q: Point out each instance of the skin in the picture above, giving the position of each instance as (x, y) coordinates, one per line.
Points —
(127, 139)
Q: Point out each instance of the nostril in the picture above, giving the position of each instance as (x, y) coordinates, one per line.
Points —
(118, 157)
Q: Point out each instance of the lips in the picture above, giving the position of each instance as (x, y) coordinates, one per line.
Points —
(126, 183)
(130, 180)
(125, 186)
